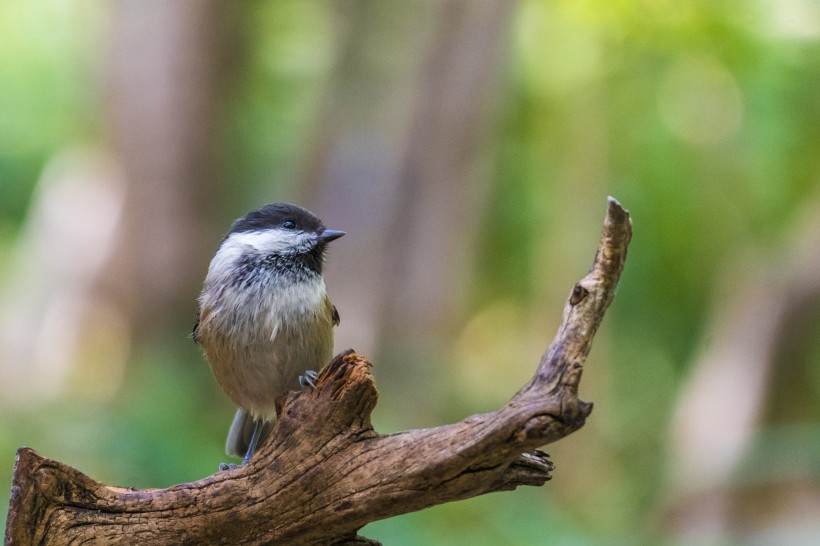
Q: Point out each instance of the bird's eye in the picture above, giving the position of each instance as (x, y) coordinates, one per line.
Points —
(289, 224)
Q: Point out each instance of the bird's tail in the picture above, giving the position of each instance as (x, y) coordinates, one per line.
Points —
(239, 436)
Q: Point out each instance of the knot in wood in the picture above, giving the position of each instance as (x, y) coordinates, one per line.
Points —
(579, 293)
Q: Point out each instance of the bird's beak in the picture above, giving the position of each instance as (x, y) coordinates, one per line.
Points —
(330, 235)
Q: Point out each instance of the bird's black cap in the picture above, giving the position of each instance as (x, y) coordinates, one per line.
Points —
(276, 215)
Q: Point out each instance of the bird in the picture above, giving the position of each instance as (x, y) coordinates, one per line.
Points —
(264, 319)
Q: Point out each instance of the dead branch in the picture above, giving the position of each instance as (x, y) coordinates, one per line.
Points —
(324, 472)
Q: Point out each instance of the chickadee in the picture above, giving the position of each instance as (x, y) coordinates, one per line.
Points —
(264, 318)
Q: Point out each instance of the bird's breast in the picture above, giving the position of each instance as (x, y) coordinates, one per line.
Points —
(260, 336)
(261, 310)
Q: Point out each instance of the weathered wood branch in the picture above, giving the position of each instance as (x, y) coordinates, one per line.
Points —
(324, 472)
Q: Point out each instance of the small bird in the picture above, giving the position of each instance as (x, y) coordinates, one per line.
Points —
(264, 319)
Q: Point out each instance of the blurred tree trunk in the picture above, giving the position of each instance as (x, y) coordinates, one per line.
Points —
(755, 374)
(401, 161)
(167, 88)
(117, 241)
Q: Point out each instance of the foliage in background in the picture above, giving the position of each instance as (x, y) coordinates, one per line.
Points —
(47, 98)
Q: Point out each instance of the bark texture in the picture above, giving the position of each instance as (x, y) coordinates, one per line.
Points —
(324, 472)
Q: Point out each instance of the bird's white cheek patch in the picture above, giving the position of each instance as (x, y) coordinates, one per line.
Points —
(269, 240)
(239, 245)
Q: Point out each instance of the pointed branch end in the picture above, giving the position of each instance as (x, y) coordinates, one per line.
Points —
(616, 211)
(618, 223)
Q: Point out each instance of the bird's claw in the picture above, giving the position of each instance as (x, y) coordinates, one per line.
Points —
(308, 379)
(227, 466)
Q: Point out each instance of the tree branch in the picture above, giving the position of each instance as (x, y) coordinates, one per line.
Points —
(324, 472)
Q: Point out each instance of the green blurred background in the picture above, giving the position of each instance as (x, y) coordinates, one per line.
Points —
(467, 148)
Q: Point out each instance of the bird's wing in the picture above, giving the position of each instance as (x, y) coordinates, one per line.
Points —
(336, 317)
(194, 332)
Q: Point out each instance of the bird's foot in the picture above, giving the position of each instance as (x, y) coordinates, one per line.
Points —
(227, 466)
(308, 379)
